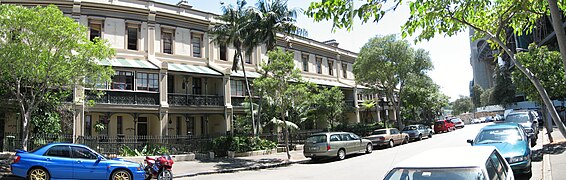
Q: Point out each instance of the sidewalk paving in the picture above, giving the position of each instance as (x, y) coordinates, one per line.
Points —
(227, 165)
(554, 157)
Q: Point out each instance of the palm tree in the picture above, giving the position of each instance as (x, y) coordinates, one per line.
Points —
(233, 30)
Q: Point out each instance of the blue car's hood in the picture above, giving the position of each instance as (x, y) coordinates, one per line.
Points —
(519, 148)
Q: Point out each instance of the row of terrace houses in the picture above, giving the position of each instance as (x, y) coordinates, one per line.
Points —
(171, 79)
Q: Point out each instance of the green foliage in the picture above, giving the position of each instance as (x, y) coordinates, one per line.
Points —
(486, 98)
(504, 90)
(422, 99)
(462, 105)
(99, 127)
(330, 105)
(360, 129)
(46, 122)
(544, 64)
(151, 150)
(477, 91)
(221, 145)
(341, 12)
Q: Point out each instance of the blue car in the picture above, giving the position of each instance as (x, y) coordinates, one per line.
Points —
(72, 161)
(511, 140)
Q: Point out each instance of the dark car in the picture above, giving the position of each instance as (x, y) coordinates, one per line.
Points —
(417, 131)
(526, 119)
(72, 161)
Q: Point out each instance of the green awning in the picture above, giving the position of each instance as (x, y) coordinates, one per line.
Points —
(193, 69)
(250, 74)
(132, 63)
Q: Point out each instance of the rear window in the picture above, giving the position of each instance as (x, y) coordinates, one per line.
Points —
(317, 139)
(439, 123)
(517, 118)
(379, 132)
(447, 173)
(38, 148)
(455, 120)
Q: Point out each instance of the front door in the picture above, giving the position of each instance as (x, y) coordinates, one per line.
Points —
(142, 128)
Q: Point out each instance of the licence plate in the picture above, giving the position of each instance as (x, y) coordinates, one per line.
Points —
(314, 148)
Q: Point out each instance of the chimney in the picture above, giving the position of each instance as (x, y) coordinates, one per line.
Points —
(331, 42)
(184, 4)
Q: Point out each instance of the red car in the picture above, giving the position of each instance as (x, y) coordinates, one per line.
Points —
(443, 126)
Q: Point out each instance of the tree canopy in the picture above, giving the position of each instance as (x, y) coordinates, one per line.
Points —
(43, 54)
(462, 105)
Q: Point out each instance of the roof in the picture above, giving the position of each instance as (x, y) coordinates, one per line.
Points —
(250, 74)
(325, 133)
(468, 156)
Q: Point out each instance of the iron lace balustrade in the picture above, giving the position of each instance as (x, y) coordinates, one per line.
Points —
(195, 100)
(121, 97)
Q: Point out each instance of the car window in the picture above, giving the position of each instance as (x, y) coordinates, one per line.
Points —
(334, 137)
(408, 128)
(491, 170)
(439, 123)
(354, 136)
(317, 138)
(345, 137)
(436, 173)
(59, 151)
(379, 132)
(499, 135)
(517, 118)
(499, 166)
(38, 148)
(83, 153)
(394, 131)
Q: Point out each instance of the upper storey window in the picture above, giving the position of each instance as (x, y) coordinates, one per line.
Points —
(330, 67)
(344, 70)
(167, 41)
(95, 29)
(248, 58)
(132, 31)
(319, 65)
(305, 60)
(223, 50)
(196, 40)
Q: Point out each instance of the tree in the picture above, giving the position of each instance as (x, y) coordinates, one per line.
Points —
(486, 98)
(488, 19)
(234, 30)
(368, 105)
(477, 91)
(422, 98)
(504, 90)
(279, 80)
(385, 63)
(329, 104)
(462, 105)
(43, 54)
(556, 17)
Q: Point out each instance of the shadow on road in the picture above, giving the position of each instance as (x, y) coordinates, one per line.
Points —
(552, 148)
(330, 159)
(230, 163)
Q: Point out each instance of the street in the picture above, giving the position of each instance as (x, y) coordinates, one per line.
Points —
(369, 166)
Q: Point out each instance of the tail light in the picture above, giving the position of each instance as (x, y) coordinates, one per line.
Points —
(17, 159)
(328, 147)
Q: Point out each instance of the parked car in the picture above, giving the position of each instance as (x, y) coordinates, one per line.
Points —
(388, 137)
(482, 119)
(443, 126)
(499, 117)
(417, 131)
(526, 119)
(489, 119)
(470, 164)
(476, 121)
(511, 140)
(72, 161)
(458, 123)
(335, 144)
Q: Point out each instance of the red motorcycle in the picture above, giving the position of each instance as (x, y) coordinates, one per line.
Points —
(158, 167)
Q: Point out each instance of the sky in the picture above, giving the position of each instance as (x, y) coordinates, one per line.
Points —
(450, 55)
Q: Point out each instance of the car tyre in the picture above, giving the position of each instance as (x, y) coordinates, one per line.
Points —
(121, 175)
(38, 173)
(391, 143)
(341, 154)
(420, 137)
(430, 135)
(369, 148)
(406, 140)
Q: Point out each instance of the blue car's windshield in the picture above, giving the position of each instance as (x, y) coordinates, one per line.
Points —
(517, 118)
(498, 135)
(437, 174)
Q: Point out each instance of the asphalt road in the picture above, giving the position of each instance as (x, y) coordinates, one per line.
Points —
(369, 166)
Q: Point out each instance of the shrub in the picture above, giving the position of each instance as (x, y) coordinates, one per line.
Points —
(359, 129)
(222, 144)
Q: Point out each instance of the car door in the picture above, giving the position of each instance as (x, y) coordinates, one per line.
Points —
(58, 162)
(86, 164)
(357, 143)
(395, 136)
(349, 145)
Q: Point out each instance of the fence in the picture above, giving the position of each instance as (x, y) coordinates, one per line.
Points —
(114, 144)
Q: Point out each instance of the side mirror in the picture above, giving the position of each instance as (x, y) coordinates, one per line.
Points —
(471, 141)
(530, 135)
(99, 158)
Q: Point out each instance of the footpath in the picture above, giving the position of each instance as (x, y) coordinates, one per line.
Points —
(554, 157)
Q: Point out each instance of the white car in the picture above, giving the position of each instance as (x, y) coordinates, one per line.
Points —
(476, 121)
(472, 163)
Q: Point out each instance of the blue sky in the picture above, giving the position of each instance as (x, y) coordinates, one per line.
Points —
(450, 55)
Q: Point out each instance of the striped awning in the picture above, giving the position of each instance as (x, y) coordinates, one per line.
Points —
(193, 69)
(250, 74)
(327, 83)
(132, 63)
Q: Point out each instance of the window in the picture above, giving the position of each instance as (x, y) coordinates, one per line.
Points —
(305, 60)
(499, 165)
(59, 151)
(334, 137)
(330, 67)
(345, 70)
(223, 50)
(167, 41)
(147, 81)
(179, 125)
(345, 137)
(170, 83)
(83, 153)
(190, 125)
(197, 86)
(95, 28)
(248, 59)
(123, 80)
(491, 171)
(319, 65)
(237, 88)
(119, 124)
(132, 38)
(88, 125)
(196, 40)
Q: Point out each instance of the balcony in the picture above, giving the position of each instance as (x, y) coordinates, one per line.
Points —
(127, 98)
(195, 100)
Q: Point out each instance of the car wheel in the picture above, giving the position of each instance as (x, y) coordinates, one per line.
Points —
(121, 175)
(165, 175)
(430, 135)
(369, 148)
(406, 140)
(38, 174)
(391, 143)
(420, 137)
(341, 154)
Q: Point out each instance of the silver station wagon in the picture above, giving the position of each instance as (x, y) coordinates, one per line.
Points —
(335, 144)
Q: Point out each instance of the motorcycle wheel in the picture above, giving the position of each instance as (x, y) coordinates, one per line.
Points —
(165, 174)
(148, 175)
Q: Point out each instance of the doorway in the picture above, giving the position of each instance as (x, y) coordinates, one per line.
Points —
(142, 128)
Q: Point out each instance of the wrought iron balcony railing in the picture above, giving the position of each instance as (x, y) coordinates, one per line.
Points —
(121, 97)
(195, 100)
